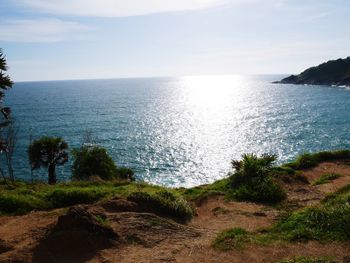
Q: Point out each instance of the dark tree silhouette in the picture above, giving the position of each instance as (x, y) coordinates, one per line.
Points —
(5, 84)
(5, 122)
(48, 152)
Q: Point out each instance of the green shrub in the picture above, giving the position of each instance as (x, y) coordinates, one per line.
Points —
(164, 203)
(308, 160)
(259, 190)
(19, 204)
(231, 238)
(125, 173)
(95, 161)
(326, 178)
(252, 180)
(67, 197)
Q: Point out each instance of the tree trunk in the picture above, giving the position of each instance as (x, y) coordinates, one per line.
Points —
(52, 173)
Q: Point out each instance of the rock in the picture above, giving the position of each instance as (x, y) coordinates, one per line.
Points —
(77, 236)
(4, 247)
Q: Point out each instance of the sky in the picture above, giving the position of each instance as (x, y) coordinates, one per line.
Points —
(90, 39)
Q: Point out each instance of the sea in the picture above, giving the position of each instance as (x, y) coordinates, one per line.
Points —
(179, 131)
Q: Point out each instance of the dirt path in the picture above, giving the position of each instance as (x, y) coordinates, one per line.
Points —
(144, 237)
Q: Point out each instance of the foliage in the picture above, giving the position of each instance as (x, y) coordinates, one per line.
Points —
(5, 122)
(329, 221)
(326, 178)
(165, 203)
(94, 161)
(21, 197)
(68, 197)
(5, 81)
(252, 180)
(125, 173)
(231, 238)
(200, 193)
(308, 160)
(48, 152)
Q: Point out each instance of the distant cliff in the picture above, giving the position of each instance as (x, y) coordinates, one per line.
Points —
(334, 72)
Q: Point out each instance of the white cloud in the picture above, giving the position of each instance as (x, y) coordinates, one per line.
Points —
(41, 30)
(119, 8)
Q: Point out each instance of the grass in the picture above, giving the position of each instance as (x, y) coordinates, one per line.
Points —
(327, 222)
(165, 203)
(200, 193)
(308, 160)
(255, 180)
(326, 178)
(21, 197)
(232, 238)
(102, 220)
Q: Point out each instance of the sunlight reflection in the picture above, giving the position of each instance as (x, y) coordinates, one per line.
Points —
(211, 91)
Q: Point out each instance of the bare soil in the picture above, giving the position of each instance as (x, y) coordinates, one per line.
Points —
(119, 231)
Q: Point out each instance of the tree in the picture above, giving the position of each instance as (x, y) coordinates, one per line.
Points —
(5, 121)
(5, 84)
(48, 152)
(93, 161)
(10, 138)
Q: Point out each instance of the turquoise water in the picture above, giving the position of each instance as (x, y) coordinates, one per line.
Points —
(181, 131)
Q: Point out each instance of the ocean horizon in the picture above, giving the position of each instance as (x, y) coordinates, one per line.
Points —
(180, 131)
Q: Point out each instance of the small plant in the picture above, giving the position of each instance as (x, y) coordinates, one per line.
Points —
(326, 178)
(48, 152)
(230, 239)
(252, 180)
(164, 203)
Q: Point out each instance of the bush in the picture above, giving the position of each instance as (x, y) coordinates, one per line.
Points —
(19, 204)
(67, 197)
(260, 190)
(252, 180)
(165, 203)
(94, 161)
(308, 160)
(125, 173)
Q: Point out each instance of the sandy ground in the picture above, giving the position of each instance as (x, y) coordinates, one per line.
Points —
(144, 237)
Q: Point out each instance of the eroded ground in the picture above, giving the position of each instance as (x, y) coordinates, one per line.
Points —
(135, 236)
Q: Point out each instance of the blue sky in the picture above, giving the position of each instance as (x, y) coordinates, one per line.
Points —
(78, 39)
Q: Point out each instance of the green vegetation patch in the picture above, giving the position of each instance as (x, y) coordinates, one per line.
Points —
(21, 197)
(232, 238)
(327, 222)
(165, 203)
(200, 193)
(90, 161)
(252, 180)
(308, 160)
(326, 178)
